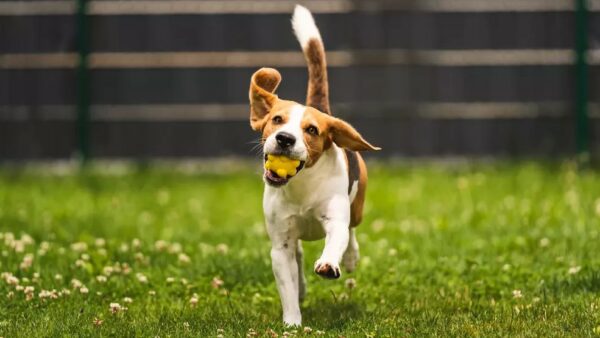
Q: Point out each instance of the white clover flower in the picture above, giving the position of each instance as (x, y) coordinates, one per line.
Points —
(12, 280)
(84, 290)
(127, 300)
(194, 300)
(76, 283)
(27, 261)
(216, 282)
(26, 239)
(115, 308)
(175, 248)
(574, 270)
(161, 245)
(222, 248)
(350, 283)
(47, 294)
(100, 242)
(28, 289)
(517, 294)
(141, 278)
(45, 246)
(139, 256)
(125, 268)
(18, 246)
(183, 258)
(101, 279)
(79, 246)
(170, 280)
(108, 270)
(152, 293)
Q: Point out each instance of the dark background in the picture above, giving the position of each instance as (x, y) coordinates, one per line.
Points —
(414, 105)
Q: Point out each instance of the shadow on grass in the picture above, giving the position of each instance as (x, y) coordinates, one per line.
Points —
(333, 315)
(583, 282)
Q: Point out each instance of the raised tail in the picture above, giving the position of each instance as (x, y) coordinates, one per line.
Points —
(314, 52)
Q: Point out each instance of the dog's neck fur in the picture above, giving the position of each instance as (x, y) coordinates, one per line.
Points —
(309, 181)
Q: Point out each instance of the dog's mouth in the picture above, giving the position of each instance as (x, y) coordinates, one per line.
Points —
(274, 179)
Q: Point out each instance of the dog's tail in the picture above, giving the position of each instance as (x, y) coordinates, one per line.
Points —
(314, 52)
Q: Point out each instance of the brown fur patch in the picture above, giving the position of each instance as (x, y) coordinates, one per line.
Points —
(315, 144)
(318, 87)
(356, 208)
(263, 84)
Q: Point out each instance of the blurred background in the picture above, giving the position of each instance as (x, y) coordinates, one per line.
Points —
(141, 80)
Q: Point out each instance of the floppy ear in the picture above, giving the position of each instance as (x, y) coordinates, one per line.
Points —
(345, 136)
(262, 86)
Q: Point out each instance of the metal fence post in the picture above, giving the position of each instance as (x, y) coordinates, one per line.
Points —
(83, 85)
(581, 78)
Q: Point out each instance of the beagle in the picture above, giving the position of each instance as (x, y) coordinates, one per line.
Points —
(325, 198)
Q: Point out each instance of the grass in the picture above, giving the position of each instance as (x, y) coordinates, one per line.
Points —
(463, 250)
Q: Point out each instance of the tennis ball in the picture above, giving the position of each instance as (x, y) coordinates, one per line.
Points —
(283, 166)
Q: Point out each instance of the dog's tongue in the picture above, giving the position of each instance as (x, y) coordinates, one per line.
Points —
(274, 177)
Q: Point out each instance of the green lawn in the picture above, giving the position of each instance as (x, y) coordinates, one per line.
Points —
(447, 250)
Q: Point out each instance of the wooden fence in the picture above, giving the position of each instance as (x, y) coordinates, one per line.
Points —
(419, 78)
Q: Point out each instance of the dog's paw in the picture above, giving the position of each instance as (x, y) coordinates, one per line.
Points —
(292, 321)
(327, 270)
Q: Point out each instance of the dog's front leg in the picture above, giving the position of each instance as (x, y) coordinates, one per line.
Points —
(335, 218)
(285, 269)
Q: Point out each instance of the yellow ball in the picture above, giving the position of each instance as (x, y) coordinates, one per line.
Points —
(283, 166)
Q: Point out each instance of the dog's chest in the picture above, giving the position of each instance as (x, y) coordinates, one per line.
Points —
(301, 220)
(309, 227)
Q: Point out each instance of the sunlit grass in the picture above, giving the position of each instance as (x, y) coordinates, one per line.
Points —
(463, 250)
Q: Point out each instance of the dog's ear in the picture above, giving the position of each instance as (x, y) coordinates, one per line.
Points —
(345, 136)
(262, 98)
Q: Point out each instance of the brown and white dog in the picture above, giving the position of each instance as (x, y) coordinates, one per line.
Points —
(325, 198)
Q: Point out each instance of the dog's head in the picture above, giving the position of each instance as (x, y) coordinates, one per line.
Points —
(294, 130)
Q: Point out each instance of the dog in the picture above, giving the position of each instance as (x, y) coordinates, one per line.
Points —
(325, 198)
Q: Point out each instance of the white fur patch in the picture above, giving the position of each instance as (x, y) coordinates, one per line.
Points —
(304, 26)
(292, 126)
(353, 191)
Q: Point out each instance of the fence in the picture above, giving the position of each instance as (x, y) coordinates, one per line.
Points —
(419, 78)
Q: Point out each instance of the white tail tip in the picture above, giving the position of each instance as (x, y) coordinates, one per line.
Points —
(304, 26)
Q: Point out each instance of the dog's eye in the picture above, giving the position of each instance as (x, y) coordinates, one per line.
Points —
(277, 119)
(312, 130)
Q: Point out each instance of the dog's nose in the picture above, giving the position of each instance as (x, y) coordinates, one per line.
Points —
(285, 140)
